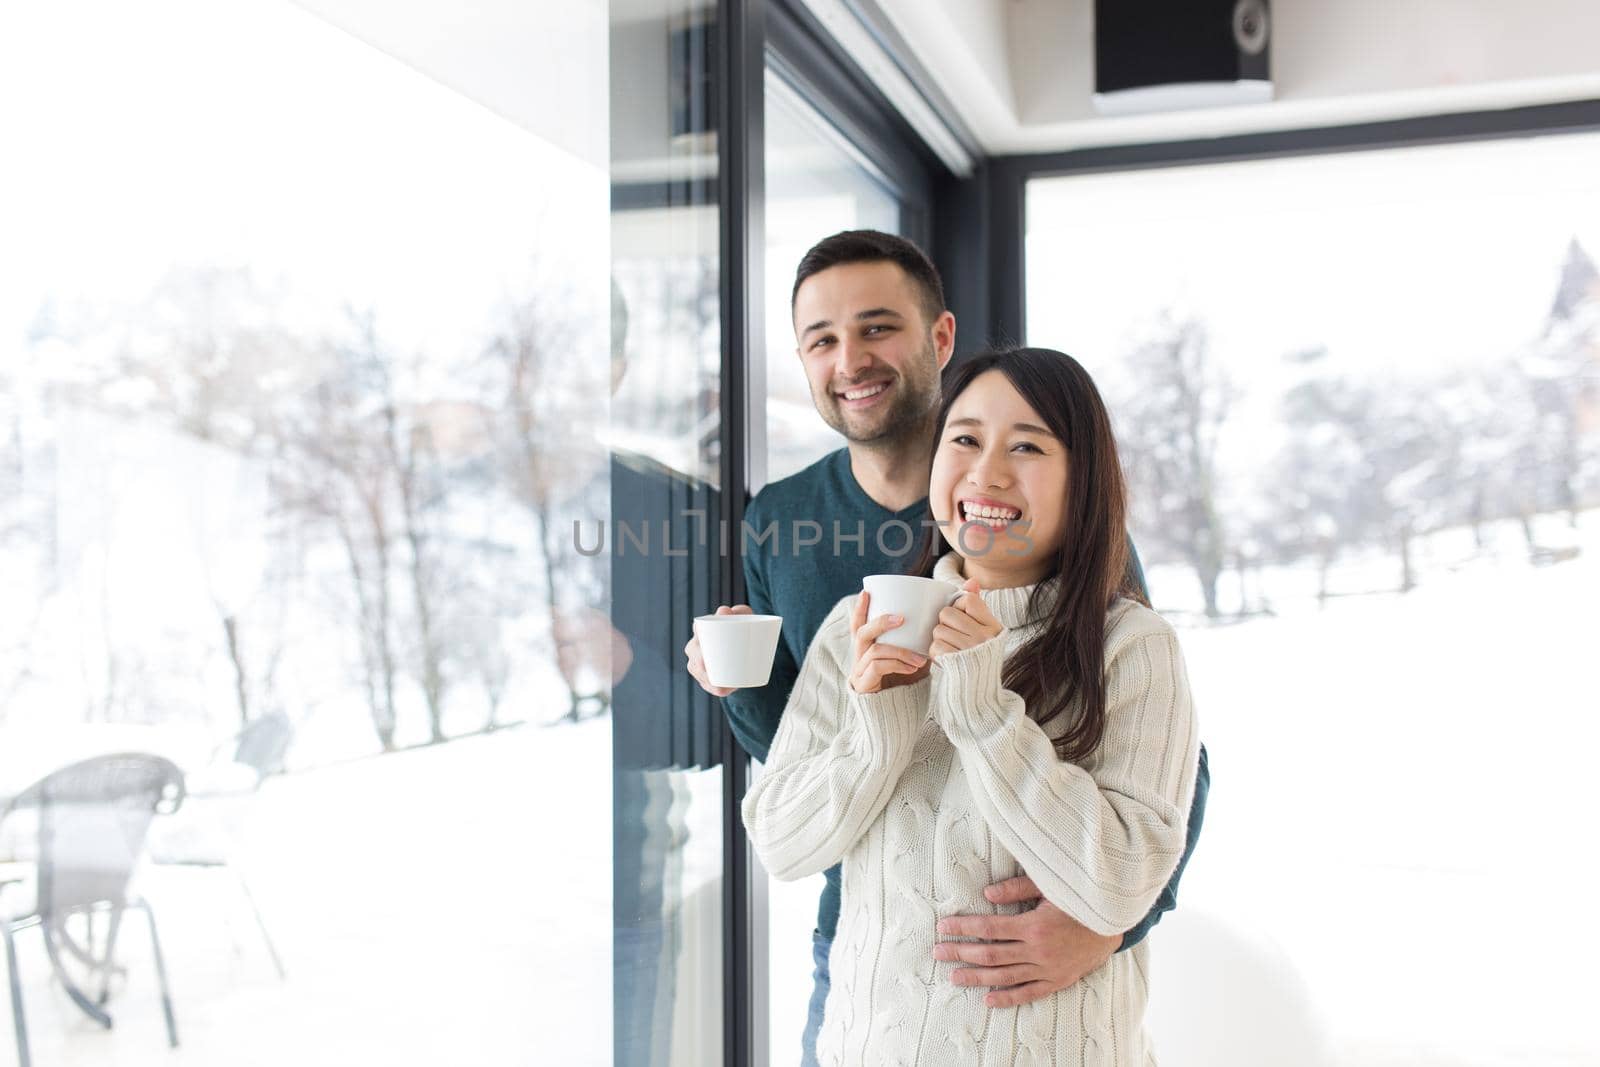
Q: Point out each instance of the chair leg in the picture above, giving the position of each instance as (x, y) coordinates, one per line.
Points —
(260, 922)
(55, 939)
(108, 965)
(104, 964)
(161, 973)
(19, 1024)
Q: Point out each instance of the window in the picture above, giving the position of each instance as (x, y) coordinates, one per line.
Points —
(817, 184)
(1358, 398)
(302, 359)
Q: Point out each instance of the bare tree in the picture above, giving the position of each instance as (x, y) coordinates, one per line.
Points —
(407, 450)
(208, 350)
(26, 543)
(333, 471)
(1561, 374)
(408, 453)
(1170, 416)
(205, 352)
(365, 462)
(1376, 461)
(545, 402)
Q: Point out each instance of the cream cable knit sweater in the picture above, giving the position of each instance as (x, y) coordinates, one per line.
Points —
(930, 792)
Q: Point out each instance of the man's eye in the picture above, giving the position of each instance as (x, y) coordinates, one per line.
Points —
(819, 342)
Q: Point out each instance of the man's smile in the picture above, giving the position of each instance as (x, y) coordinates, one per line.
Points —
(864, 395)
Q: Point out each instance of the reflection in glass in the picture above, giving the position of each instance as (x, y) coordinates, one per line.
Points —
(664, 437)
(1357, 401)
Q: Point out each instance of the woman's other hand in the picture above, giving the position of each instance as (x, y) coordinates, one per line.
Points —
(965, 624)
(878, 667)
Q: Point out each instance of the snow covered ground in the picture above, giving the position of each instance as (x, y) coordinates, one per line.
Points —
(1393, 849)
(1402, 792)
(446, 905)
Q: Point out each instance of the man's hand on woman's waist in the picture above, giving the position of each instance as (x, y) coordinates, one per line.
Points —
(1024, 957)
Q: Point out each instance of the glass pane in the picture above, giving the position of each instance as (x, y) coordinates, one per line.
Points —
(301, 358)
(664, 436)
(817, 184)
(1357, 399)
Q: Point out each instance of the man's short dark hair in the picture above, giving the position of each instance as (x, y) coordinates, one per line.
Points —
(874, 246)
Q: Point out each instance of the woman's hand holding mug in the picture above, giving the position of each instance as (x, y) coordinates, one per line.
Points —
(964, 624)
(878, 667)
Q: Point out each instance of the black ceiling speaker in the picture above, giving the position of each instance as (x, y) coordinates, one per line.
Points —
(1163, 55)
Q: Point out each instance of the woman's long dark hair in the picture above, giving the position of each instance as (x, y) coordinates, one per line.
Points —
(1066, 658)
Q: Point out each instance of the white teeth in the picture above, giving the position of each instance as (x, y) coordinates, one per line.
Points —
(866, 391)
(983, 511)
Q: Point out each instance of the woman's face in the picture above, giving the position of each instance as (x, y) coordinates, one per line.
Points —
(999, 484)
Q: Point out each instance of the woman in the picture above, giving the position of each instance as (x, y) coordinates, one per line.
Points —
(1049, 731)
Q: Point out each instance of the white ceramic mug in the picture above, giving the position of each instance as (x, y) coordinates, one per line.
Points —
(738, 649)
(917, 600)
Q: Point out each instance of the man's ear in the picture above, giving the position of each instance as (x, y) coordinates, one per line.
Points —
(944, 337)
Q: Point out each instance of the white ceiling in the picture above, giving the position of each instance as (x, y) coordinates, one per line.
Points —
(1020, 72)
(505, 54)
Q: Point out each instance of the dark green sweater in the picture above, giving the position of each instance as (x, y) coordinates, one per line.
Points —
(802, 582)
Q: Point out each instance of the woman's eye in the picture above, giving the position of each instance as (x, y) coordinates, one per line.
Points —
(1025, 444)
(961, 439)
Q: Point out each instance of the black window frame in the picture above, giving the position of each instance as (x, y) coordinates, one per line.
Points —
(802, 52)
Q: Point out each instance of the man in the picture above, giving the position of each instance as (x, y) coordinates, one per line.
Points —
(874, 336)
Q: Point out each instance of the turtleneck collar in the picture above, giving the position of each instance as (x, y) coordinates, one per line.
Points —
(1010, 606)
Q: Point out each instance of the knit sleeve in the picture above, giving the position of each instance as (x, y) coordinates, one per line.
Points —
(1102, 839)
(834, 762)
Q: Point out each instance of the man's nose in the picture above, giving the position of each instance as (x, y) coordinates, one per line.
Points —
(853, 357)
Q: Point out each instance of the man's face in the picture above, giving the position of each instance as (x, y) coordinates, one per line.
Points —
(869, 353)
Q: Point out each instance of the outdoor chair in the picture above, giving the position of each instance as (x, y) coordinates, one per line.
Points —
(219, 796)
(88, 823)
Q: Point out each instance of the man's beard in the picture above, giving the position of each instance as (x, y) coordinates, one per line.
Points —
(910, 401)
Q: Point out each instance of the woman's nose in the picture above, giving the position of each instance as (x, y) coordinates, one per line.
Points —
(988, 473)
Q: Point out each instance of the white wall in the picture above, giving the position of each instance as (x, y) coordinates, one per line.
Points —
(1333, 61)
